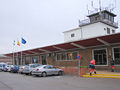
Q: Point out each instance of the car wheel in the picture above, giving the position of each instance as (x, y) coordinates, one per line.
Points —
(26, 73)
(44, 74)
(30, 73)
(60, 73)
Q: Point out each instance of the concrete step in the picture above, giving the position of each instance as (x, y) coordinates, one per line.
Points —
(103, 74)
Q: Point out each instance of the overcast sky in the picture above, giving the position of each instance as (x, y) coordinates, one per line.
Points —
(41, 22)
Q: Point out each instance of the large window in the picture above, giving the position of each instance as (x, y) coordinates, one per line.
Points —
(116, 54)
(27, 60)
(35, 59)
(67, 56)
(100, 57)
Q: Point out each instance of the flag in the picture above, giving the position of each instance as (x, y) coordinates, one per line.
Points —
(18, 43)
(23, 41)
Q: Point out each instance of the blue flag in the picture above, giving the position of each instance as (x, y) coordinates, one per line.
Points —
(23, 41)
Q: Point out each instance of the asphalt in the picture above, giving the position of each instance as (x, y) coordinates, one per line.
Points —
(11, 81)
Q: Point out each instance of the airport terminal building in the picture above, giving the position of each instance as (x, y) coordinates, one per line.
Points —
(95, 38)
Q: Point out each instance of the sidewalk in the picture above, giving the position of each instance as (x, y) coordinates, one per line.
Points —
(104, 74)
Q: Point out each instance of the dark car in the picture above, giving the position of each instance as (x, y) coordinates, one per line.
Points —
(14, 69)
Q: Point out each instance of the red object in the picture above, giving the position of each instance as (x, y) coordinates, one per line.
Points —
(37, 70)
(93, 62)
(92, 70)
(113, 67)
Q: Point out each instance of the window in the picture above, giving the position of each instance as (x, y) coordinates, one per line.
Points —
(116, 54)
(113, 31)
(100, 57)
(35, 59)
(104, 28)
(67, 56)
(27, 60)
(106, 15)
(75, 55)
(112, 18)
(73, 35)
(108, 30)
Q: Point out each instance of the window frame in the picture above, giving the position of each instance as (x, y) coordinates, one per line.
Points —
(35, 57)
(113, 31)
(106, 55)
(66, 55)
(113, 53)
(72, 35)
(107, 31)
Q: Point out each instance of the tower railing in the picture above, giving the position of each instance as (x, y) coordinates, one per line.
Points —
(84, 22)
(87, 21)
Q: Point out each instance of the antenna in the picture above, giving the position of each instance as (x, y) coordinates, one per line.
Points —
(79, 23)
(92, 5)
(113, 6)
(100, 5)
(87, 9)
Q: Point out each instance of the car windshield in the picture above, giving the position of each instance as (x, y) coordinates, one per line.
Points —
(40, 66)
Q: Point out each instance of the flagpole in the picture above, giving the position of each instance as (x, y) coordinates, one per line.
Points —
(23, 41)
(13, 52)
(17, 55)
(17, 52)
(21, 54)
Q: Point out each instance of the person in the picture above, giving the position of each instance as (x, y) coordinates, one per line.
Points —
(92, 67)
(112, 65)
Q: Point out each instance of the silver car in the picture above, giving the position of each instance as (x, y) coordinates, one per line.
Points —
(28, 68)
(21, 68)
(45, 70)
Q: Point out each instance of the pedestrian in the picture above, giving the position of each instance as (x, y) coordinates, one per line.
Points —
(92, 67)
(112, 65)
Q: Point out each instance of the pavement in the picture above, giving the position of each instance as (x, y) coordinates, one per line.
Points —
(104, 74)
(12, 81)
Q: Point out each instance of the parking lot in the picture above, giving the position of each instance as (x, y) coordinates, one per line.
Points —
(14, 81)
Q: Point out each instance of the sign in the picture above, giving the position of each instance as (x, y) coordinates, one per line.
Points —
(79, 57)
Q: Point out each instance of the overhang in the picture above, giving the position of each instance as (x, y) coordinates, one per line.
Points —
(80, 44)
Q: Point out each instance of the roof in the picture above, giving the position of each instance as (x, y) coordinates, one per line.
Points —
(80, 44)
(102, 11)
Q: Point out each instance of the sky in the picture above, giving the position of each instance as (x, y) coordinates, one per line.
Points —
(42, 22)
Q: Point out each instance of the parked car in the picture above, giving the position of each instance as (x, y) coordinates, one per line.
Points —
(2, 66)
(45, 70)
(7, 68)
(28, 68)
(21, 68)
(14, 69)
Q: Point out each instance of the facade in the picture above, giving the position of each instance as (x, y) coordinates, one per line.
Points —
(6, 59)
(96, 39)
(97, 25)
(103, 49)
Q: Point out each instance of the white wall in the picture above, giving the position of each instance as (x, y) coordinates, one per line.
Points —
(77, 33)
(88, 31)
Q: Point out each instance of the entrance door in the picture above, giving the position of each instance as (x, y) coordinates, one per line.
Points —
(44, 62)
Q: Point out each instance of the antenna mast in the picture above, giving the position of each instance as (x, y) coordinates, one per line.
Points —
(100, 5)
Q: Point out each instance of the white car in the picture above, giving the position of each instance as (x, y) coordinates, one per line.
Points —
(46, 70)
(21, 68)
(7, 68)
(2, 66)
